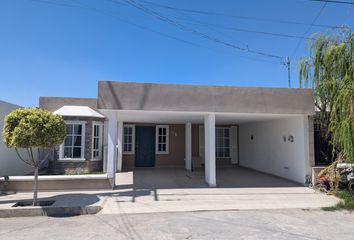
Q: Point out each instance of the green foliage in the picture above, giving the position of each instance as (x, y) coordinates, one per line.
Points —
(33, 128)
(346, 202)
(330, 72)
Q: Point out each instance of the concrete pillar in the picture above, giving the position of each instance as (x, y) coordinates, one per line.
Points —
(234, 144)
(308, 146)
(120, 146)
(188, 147)
(209, 140)
(105, 145)
(311, 140)
(111, 147)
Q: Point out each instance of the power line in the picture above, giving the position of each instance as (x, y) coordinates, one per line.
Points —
(309, 28)
(185, 28)
(249, 31)
(106, 13)
(195, 32)
(235, 16)
(333, 1)
(216, 27)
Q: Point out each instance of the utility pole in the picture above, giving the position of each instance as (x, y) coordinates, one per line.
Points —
(287, 64)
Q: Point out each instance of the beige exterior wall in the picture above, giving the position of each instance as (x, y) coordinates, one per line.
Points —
(176, 155)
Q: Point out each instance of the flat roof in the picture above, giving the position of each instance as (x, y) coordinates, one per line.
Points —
(203, 98)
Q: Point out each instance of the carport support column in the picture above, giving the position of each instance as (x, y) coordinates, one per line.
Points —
(209, 133)
(120, 146)
(188, 147)
(111, 147)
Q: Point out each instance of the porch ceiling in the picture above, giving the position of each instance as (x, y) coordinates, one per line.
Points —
(176, 117)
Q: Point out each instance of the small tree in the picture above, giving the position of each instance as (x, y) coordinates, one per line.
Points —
(30, 129)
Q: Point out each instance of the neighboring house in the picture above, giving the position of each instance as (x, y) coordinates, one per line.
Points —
(133, 125)
(10, 164)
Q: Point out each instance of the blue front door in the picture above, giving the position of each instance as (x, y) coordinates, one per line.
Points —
(144, 146)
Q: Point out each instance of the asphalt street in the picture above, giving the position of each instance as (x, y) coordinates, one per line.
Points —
(257, 224)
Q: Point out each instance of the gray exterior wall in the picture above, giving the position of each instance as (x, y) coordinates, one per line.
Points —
(54, 103)
(172, 97)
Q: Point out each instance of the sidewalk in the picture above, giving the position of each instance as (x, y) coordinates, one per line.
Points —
(133, 201)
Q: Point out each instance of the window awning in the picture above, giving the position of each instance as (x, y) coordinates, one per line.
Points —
(78, 111)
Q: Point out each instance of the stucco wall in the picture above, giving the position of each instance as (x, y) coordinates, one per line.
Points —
(203, 98)
(10, 164)
(268, 152)
(54, 103)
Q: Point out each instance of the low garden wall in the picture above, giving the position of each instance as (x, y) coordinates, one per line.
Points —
(57, 182)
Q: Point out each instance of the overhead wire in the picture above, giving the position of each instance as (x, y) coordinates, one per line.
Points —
(117, 17)
(247, 30)
(185, 28)
(309, 28)
(334, 1)
(235, 16)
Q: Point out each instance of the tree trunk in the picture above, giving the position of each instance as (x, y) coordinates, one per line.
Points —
(35, 190)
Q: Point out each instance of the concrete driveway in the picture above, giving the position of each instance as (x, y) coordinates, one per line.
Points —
(175, 190)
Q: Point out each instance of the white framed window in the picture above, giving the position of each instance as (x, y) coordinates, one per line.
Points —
(97, 133)
(128, 139)
(73, 147)
(222, 142)
(162, 139)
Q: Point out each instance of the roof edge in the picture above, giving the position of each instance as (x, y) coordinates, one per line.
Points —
(203, 85)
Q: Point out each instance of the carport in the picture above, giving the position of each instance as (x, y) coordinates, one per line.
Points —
(271, 128)
(277, 144)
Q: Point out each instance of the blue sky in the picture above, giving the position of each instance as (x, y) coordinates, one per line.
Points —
(63, 47)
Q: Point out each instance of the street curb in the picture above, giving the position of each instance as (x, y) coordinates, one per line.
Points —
(49, 211)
